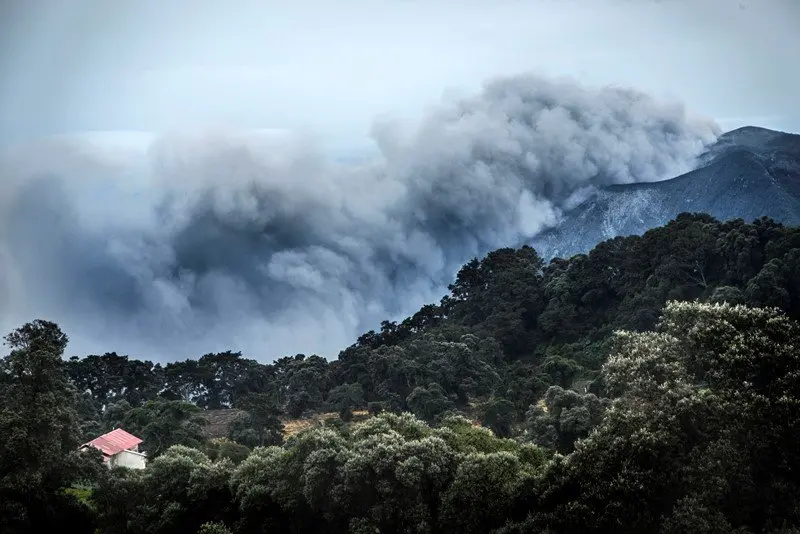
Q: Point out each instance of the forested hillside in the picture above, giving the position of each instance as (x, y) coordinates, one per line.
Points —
(606, 407)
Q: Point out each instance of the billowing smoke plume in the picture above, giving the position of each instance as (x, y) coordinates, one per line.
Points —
(257, 242)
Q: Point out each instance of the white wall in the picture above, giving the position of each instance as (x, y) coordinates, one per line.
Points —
(129, 459)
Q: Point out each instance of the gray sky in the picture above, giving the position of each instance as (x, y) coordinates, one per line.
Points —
(230, 233)
(331, 67)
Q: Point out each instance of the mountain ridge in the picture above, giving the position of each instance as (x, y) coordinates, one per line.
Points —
(747, 173)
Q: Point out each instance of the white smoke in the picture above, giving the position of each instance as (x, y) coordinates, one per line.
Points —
(174, 246)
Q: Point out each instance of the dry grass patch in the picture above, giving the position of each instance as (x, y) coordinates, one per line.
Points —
(219, 421)
(293, 426)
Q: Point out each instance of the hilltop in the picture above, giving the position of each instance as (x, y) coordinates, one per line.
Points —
(748, 173)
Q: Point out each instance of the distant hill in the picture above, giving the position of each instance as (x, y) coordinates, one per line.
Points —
(748, 173)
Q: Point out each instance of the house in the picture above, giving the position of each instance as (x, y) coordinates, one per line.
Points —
(120, 449)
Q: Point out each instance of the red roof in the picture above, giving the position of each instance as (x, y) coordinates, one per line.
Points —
(114, 442)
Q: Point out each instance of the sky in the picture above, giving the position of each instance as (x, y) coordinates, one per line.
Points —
(272, 177)
(330, 68)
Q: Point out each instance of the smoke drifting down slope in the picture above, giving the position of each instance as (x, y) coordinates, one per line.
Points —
(176, 246)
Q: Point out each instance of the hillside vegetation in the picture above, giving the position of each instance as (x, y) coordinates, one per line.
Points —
(650, 385)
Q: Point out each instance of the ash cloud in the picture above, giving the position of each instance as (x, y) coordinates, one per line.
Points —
(171, 247)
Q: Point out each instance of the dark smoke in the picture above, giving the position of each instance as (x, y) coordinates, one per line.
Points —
(257, 242)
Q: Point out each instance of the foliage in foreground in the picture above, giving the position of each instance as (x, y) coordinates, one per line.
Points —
(699, 437)
(392, 472)
(698, 434)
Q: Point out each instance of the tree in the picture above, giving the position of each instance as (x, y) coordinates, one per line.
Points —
(729, 294)
(429, 402)
(302, 382)
(768, 287)
(260, 424)
(112, 378)
(226, 377)
(482, 492)
(697, 436)
(346, 397)
(213, 528)
(562, 417)
(39, 432)
(178, 493)
(499, 415)
(162, 424)
(224, 448)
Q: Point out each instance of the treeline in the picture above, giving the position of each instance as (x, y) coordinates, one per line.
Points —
(510, 328)
(699, 435)
(604, 410)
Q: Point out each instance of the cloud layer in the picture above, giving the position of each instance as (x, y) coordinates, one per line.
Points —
(168, 247)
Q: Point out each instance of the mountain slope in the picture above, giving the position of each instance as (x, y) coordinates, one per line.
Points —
(748, 173)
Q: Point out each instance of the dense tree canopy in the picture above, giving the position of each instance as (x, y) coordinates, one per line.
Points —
(650, 385)
(39, 432)
(699, 436)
